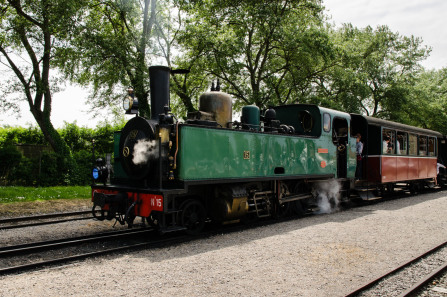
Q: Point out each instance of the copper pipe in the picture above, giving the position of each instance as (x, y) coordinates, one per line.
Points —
(176, 146)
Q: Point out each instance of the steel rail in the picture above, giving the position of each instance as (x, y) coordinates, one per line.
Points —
(8, 251)
(9, 227)
(46, 216)
(377, 280)
(36, 265)
(423, 282)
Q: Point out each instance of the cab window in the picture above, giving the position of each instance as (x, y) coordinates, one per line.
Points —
(326, 122)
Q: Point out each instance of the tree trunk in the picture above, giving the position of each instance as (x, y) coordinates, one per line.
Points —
(64, 157)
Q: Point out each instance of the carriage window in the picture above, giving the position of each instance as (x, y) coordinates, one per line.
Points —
(413, 145)
(431, 146)
(422, 145)
(388, 141)
(401, 143)
(326, 122)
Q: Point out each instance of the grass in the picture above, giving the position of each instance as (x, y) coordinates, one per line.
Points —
(22, 194)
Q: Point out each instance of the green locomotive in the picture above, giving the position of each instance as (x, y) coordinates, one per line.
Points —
(212, 168)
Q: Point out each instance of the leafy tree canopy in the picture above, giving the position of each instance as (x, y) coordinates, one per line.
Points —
(374, 71)
(263, 52)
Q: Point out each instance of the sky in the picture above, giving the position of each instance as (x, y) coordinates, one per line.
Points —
(420, 18)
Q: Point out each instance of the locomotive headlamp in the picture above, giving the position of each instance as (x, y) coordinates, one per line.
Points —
(130, 103)
(100, 172)
(127, 103)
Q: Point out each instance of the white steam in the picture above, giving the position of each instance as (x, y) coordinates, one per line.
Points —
(144, 150)
(327, 193)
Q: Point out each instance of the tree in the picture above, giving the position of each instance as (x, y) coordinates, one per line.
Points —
(375, 71)
(263, 52)
(185, 86)
(112, 50)
(32, 34)
(427, 105)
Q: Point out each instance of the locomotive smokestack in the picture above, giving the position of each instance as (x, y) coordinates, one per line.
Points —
(159, 83)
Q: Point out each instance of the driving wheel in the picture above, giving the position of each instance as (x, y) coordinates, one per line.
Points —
(193, 216)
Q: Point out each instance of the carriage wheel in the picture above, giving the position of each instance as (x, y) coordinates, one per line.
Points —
(390, 188)
(414, 188)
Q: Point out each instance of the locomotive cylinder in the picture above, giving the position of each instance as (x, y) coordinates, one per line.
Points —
(231, 203)
(231, 209)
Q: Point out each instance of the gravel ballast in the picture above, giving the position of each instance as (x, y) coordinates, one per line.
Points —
(324, 255)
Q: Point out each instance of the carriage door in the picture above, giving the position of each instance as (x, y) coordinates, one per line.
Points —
(340, 140)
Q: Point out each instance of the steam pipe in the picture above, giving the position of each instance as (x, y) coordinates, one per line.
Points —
(176, 146)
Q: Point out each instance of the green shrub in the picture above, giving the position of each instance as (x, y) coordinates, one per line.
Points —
(48, 169)
(23, 174)
(14, 135)
(10, 158)
(82, 174)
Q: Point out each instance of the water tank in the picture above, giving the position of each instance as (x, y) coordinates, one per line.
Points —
(250, 117)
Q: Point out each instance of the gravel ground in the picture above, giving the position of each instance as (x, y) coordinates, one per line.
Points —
(324, 255)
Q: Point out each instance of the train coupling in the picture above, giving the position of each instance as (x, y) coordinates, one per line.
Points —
(110, 205)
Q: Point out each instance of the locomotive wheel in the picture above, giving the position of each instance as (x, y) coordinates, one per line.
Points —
(193, 216)
(299, 207)
(154, 221)
(130, 216)
(101, 217)
(282, 210)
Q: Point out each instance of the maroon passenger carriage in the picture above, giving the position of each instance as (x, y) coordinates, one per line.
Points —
(394, 154)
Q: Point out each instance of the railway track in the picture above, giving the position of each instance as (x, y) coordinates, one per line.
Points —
(31, 221)
(145, 241)
(409, 278)
(35, 249)
(134, 239)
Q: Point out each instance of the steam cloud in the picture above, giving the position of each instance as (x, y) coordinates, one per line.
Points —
(144, 150)
(327, 194)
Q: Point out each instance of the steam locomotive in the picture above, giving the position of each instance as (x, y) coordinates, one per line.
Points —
(180, 175)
